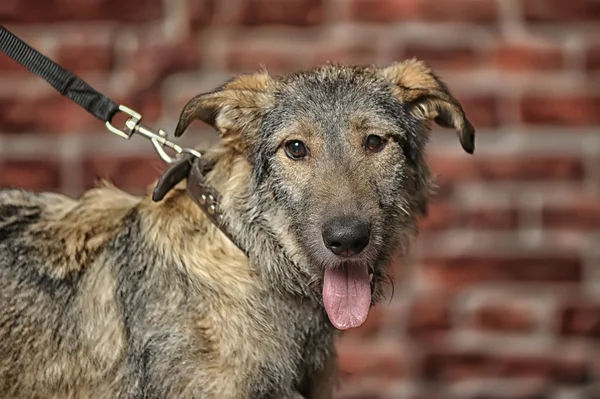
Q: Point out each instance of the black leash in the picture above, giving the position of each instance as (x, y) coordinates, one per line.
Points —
(76, 89)
(96, 103)
(62, 80)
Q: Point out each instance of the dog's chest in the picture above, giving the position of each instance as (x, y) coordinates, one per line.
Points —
(282, 343)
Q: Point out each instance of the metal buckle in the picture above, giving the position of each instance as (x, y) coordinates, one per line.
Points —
(159, 139)
(130, 124)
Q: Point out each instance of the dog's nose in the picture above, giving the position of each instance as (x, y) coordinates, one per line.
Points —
(346, 236)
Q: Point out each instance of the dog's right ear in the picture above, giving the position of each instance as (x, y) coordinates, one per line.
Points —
(234, 108)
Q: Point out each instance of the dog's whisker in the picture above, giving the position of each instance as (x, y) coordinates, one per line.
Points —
(391, 283)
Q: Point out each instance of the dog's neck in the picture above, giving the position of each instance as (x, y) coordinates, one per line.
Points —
(245, 219)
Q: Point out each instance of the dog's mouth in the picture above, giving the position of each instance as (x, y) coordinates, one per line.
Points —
(347, 294)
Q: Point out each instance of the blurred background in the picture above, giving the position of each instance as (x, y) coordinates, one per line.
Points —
(500, 297)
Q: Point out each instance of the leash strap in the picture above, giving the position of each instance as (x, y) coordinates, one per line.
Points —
(62, 80)
(77, 90)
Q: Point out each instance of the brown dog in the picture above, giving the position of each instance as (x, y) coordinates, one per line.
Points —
(322, 177)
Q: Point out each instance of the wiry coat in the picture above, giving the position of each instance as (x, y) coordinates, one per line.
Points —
(116, 296)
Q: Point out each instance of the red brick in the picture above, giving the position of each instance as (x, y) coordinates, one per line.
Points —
(201, 12)
(155, 59)
(477, 11)
(384, 10)
(592, 59)
(146, 100)
(595, 366)
(528, 56)
(276, 12)
(443, 216)
(457, 272)
(53, 11)
(580, 320)
(538, 393)
(360, 395)
(503, 318)
(81, 58)
(440, 216)
(561, 11)
(580, 214)
(371, 360)
(445, 57)
(555, 369)
(481, 110)
(454, 366)
(460, 366)
(134, 174)
(246, 57)
(445, 190)
(560, 110)
(30, 174)
(429, 317)
(489, 219)
(506, 168)
(51, 114)
(354, 53)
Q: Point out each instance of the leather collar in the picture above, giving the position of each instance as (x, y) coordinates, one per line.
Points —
(205, 196)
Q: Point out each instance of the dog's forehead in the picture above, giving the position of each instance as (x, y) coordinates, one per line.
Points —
(331, 84)
(332, 95)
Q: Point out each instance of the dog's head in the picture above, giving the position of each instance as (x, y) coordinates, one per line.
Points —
(340, 152)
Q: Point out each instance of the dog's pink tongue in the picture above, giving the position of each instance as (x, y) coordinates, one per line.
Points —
(347, 296)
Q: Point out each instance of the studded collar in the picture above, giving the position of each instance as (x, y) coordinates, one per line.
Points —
(205, 196)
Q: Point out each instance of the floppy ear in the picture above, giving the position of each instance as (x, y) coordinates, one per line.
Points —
(233, 109)
(428, 98)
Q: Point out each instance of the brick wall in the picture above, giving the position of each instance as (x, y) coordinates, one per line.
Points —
(501, 295)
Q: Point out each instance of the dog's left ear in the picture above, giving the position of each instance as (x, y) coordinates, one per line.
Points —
(428, 98)
(234, 108)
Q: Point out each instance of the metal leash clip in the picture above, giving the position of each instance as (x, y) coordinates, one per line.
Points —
(159, 140)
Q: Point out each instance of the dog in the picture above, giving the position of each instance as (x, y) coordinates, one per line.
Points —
(322, 177)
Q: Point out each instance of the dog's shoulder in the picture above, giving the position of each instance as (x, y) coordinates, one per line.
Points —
(21, 210)
(58, 231)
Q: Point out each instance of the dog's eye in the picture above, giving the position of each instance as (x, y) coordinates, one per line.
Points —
(375, 143)
(295, 149)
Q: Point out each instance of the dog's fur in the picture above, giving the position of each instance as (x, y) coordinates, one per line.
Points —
(113, 296)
